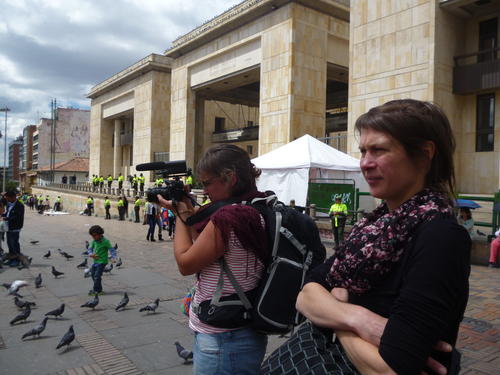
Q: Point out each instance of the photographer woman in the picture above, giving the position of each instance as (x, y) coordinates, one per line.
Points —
(396, 291)
(236, 232)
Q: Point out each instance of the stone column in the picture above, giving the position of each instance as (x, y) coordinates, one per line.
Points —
(182, 117)
(117, 156)
(293, 78)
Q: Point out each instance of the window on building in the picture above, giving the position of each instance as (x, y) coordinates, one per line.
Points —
(488, 31)
(485, 125)
(220, 123)
(249, 149)
(249, 123)
(131, 161)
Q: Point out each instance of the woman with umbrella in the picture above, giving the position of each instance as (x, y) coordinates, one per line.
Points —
(465, 219)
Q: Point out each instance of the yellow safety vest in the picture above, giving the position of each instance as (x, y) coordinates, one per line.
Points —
(120, 203)
(138, 202)
(110, 178)
(341, 208)
(107, 203)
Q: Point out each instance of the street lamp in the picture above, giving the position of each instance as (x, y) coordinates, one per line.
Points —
(5, 109)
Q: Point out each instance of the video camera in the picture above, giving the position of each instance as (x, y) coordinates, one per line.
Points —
(174, 190)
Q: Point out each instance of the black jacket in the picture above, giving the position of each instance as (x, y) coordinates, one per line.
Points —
(16, 216)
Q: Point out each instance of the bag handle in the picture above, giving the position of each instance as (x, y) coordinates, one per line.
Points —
(220, 284)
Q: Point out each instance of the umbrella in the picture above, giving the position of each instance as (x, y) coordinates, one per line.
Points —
(464, 203)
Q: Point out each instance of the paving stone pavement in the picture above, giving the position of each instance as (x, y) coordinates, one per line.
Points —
(129, 342)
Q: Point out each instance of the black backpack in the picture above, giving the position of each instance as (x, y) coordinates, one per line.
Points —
(295, 248)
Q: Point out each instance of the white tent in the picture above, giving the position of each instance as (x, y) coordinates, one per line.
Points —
(288, 169)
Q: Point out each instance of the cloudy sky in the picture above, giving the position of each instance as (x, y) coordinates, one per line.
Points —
(61, 48)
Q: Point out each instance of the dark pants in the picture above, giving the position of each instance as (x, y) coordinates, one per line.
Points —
(120, 185)
(141, 187)
(108, 216)
(96, 273)
(121, 213)
(13, 243)
(57, 206)
(338, 231)
(152, 225)
(136, 212)
(171, 226)
(109, 184)
(89, 209)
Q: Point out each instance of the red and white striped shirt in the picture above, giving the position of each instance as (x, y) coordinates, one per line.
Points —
(246, 268)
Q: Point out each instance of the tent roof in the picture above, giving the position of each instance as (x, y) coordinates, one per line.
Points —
(307, 152)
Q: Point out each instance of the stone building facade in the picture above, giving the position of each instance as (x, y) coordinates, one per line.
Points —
(311, 66)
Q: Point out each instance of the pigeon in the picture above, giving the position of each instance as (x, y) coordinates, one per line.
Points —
(22, 316)
(182, 352)
(86, 273)
(480, 233)
(108, 268)
(22, 304)
(56, 273)
(66, 255)
(15, 286)
(92, 303)
(116, 246)
(67, 338)
(87, 248)
(119, 263)
(57, 312)
(38, 281)
(151, 307)
(39, 328)
(34, 242)
(83, 264)
(47, 255)
(123, 302)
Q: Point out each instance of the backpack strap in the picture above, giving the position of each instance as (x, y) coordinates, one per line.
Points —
(220, 284)
(207, 212)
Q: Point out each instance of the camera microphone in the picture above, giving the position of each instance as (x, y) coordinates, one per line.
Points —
(172, 167)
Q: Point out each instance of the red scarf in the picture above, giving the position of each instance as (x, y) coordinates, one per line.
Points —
(243, 220)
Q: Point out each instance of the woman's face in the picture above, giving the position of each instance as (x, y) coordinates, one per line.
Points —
(217, 188)
(390, 173)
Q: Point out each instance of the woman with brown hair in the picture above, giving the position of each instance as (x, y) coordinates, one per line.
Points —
(396, 291)
(235, 232)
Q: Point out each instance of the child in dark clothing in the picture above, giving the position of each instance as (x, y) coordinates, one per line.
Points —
(99, 249)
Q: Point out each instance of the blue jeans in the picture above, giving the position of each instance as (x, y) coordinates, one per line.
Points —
(229, 353)
(96, 273)
(13, 243)
(152, 225)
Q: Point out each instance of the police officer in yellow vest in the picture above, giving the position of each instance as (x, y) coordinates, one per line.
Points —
(135, 182)
(142, 181)
(159, 181)
(110, 181)
(101, 182)
(57, 205)
(120, 181)
(189, 179)
(137, 207)
(90, 206)
(338, 214)
(107, 206)
(121, 209)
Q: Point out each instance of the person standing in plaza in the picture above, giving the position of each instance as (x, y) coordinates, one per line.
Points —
(137, 208)
(125, 205)
(135, 183)
(495, 250)
(142, 181)
(110, 181)
(189, 180)
(107, 207)
(338, 214)
(57, 204)
(171, 224)
(40, 204)
(226, 172)
(120, 182)
(121, 209)
(100, 247)
(152, 213)
(90, 205)
(101, 182)
(14, 216)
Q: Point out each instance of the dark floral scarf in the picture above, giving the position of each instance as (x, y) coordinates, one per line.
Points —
(377, 241)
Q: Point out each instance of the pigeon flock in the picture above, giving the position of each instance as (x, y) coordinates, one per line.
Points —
(25, 306)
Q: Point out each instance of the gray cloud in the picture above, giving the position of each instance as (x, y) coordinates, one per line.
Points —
(61, 48)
